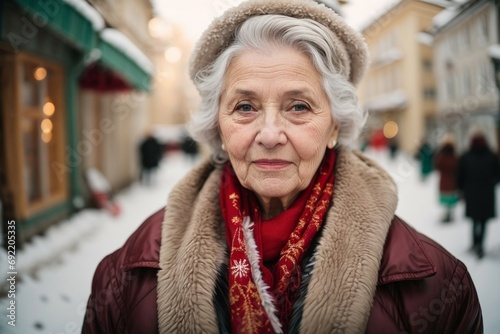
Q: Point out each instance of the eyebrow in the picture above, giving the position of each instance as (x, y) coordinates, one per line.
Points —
(245, 92)
(299, 92)
(293, 92)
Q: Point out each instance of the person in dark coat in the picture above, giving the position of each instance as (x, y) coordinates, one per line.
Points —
(150, 154)
(446, 162)
(393, 147)
(478, 173)
(189, 147)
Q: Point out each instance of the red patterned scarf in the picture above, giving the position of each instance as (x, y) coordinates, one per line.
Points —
(265, 255)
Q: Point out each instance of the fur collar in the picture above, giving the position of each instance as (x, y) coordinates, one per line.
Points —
(345, 274)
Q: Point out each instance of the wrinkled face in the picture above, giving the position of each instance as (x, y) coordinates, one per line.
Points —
(275, 123)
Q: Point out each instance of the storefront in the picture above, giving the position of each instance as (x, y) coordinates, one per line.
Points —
(45, 47)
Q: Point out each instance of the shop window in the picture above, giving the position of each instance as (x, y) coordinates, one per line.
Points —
(40, 118)
(34, 129)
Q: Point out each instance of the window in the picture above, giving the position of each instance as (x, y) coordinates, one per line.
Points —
(450, 86)
(467, 82)
(487, 74)
(41, 130)
(483, 27)
(465, 34)
(454, 43)
(427, 65)
(429, 94)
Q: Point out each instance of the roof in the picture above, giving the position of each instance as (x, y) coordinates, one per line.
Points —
(448, 15)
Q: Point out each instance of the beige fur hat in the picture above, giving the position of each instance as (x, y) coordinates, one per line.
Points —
(220, 33)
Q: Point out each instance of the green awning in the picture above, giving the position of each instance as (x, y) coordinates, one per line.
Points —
(64, 19)
(79, 30)
(119, 62)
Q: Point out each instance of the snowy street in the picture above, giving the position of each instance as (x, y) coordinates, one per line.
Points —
(55, 270)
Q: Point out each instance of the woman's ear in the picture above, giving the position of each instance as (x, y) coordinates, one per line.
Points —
(332, 142)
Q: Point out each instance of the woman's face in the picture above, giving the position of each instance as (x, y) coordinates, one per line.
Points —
(275, 123)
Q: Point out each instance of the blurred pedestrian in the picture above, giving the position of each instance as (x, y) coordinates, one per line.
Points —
(151, 153)
(446, 163)
(393, 147)
(363, 143)
(425, 154)
(378, 141)
(189, 147)
(101, 191)
(478, 173)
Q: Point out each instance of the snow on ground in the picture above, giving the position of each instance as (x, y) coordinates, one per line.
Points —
(418, 206)
(52, 299)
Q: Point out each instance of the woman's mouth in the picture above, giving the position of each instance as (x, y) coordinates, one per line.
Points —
(272, 163)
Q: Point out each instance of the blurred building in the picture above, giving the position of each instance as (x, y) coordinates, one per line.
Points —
(399, 90)
(115, 97)
(174, 94)
(467, 95)
(74, 86)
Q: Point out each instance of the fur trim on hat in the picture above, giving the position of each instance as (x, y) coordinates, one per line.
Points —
(219, 35)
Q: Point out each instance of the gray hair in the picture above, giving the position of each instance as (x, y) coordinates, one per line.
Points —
(263, 33)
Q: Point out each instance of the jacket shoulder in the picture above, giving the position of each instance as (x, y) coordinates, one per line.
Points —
(118, 289)
(423, 288)
(142, 248)
(405, 254)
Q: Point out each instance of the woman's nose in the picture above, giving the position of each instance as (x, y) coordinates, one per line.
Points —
(272, 132)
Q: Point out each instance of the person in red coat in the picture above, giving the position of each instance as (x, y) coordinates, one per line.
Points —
(446, 162)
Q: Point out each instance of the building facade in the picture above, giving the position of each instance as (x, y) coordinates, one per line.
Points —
(115, 107)
(467, 95)
(51, 52)
(399, 90)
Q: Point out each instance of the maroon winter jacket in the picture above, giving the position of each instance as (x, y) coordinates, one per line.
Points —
(422, 288)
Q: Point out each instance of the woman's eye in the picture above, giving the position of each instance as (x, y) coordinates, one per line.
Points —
(300, 107)
(245, 107)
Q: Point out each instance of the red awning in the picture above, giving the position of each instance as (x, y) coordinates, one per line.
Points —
(100, 79)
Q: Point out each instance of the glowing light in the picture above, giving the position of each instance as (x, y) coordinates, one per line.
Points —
(40, 73)
(173, 54)
(46, 137)
(390, 129)
(49, 109)
(46, 126)
(159, 29)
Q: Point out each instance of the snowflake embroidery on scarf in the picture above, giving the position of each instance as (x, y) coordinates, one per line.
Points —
(240, 268)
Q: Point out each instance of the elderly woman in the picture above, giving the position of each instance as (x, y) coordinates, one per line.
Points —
(285, 229)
